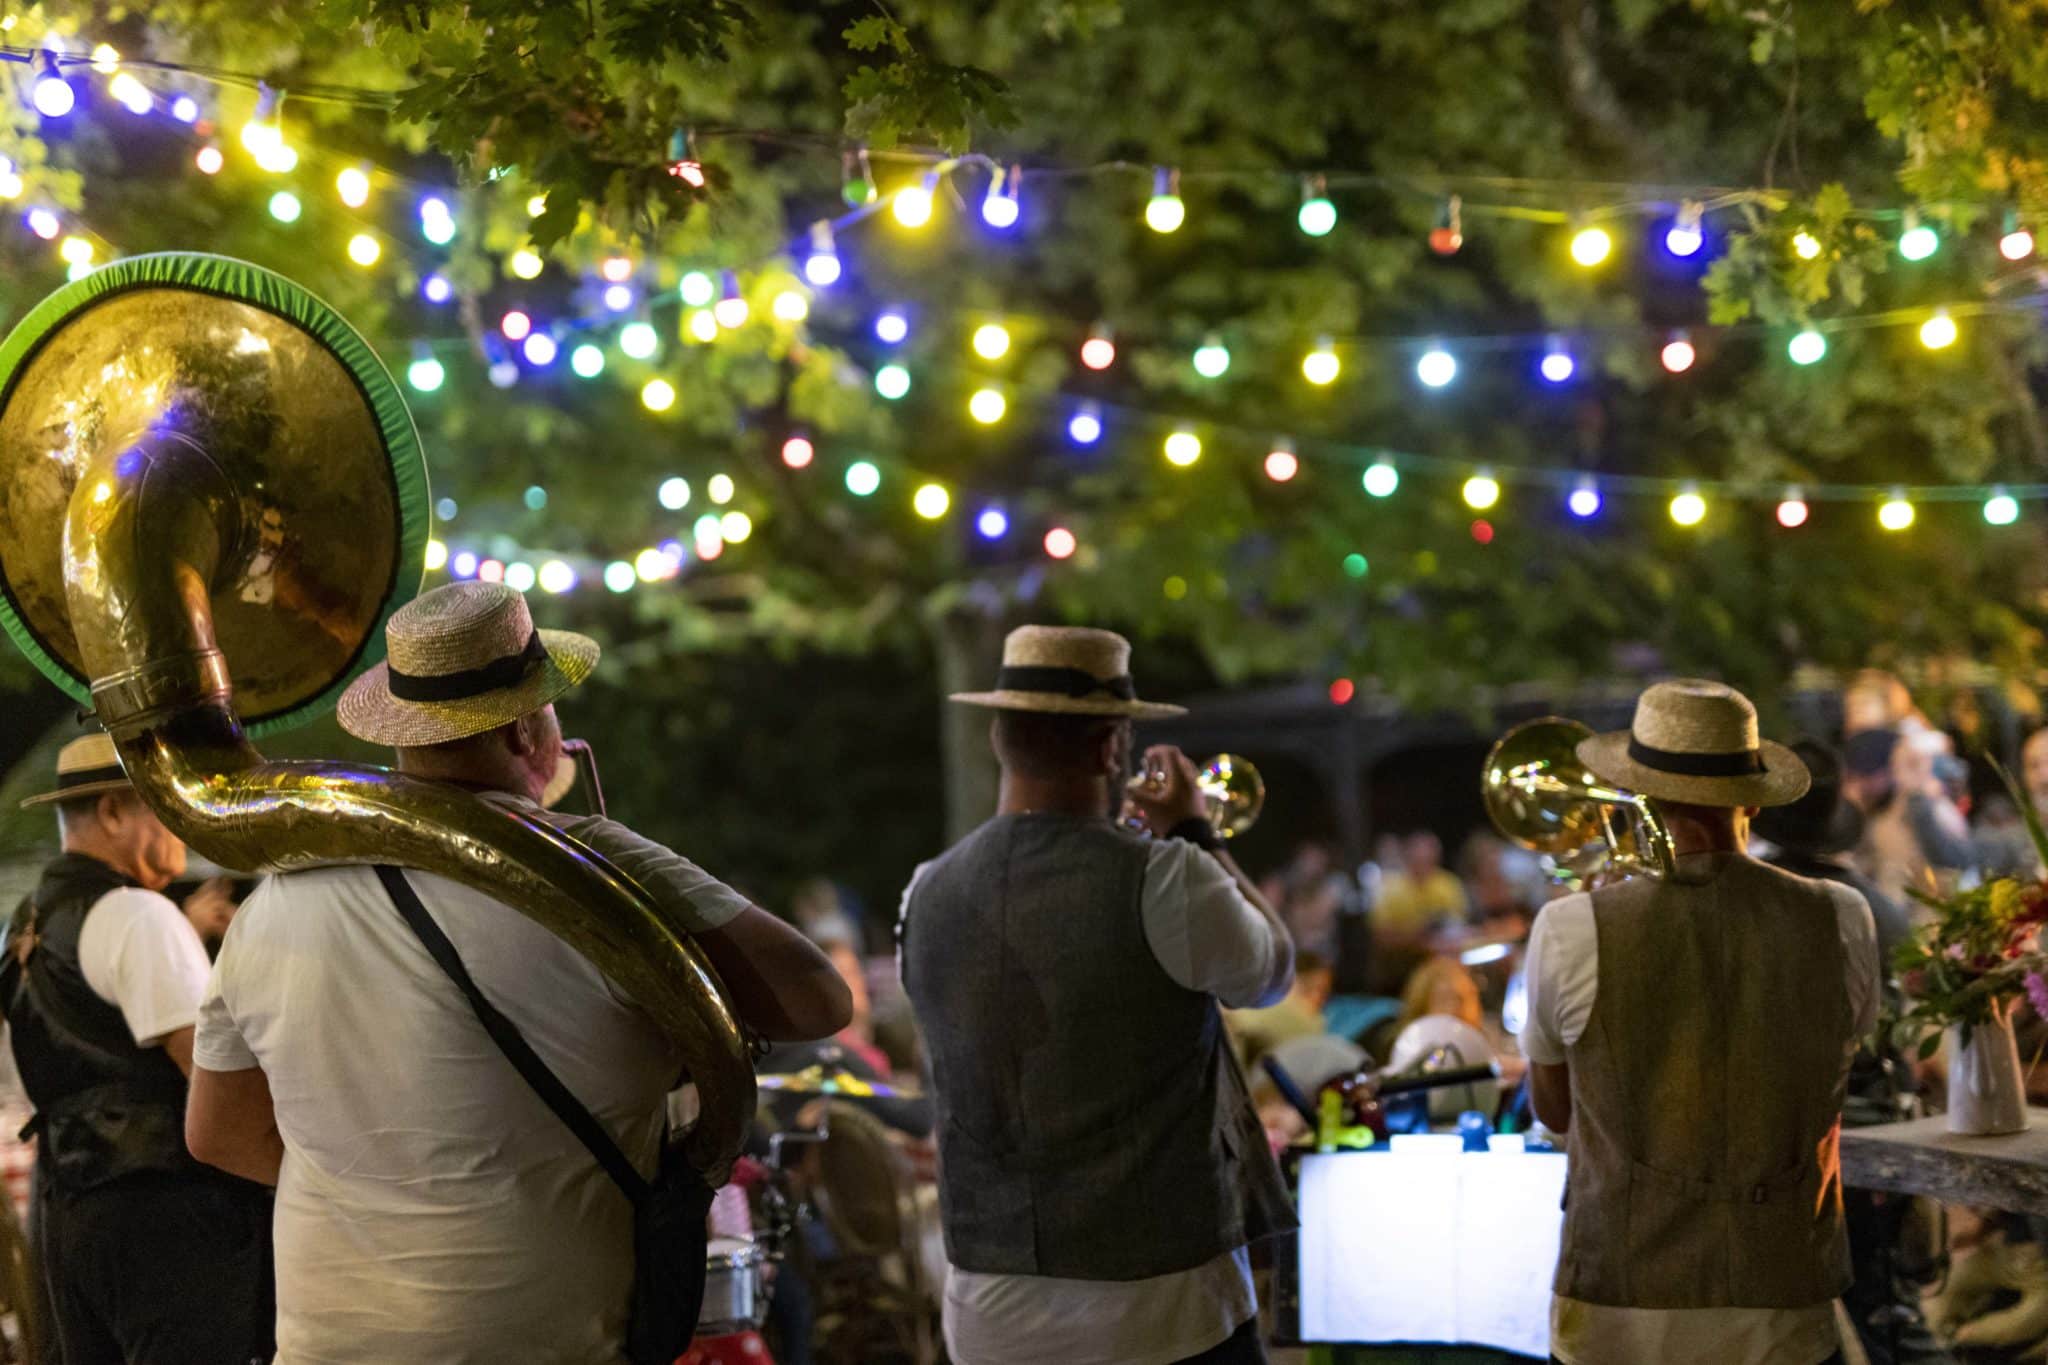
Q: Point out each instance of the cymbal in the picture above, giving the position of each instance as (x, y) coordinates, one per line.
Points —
(816, 1080)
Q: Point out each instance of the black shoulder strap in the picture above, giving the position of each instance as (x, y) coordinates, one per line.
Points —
(517, 1050)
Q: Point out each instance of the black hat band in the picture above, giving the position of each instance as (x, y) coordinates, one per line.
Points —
(1064, 682)
(494, 676)
(1746, 763)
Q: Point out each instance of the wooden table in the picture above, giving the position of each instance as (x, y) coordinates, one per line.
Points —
(1923, 1157)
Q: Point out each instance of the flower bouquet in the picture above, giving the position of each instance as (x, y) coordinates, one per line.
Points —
(1963, 974)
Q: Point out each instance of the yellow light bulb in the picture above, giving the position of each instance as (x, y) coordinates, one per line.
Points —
(1320, 366)
(1938, 332)
(363, 249)
(1183, 448)
(353, 186)
(1896, 514)
(987, 406)
(931, 501)
(991, 341)
(76, 250)
(658, 395)
(1590, 246)
(1805, 245)
(1481, 492)
(1688, 509)
(526, 263)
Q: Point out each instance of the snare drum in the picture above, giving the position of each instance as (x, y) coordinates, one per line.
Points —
(735, 1288)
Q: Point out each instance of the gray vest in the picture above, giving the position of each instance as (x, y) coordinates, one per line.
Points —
(1092, 1122)
(1706, 1094)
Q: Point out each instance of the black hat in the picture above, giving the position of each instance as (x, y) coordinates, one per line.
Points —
(1820, 822)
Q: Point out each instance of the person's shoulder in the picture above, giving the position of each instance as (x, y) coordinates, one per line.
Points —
(1567, 919)
(132, 904)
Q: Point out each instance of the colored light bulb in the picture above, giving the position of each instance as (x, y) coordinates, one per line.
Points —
(993, 523)
(912, 206)
(587, 361)
(284, 206)
(931, 501)
(1436, 368)
(638, 340)
(1807, 347)
(657, 395)
(1321, 365)
(1677, 355)
(1317, 216)
(697, 289)
(1591, 246)
(1183, 448)
(892, 382)
(1895, 513)
(1938, 332)
(798, 452)
(1381, 479)
(353, 186)
(1481, 491)
(1085, 428)
(425, 374)
(1688, 509)
(364, 249)
(991, 341)
(2002, 509)
(891, 328)
(1212, 359)
(1098, 352)
(862, 478)
(987, 406)
(1060, 543)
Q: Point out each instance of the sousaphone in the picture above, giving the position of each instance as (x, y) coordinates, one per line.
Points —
(211, 499)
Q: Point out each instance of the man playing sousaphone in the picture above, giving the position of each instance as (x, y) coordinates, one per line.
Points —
(431, 1210)
(1101, 1170)
(1692, 1035)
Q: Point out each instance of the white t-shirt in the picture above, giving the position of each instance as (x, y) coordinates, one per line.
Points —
(1209, 938)
(141, 955)
(431, 1210)
(1562, 969)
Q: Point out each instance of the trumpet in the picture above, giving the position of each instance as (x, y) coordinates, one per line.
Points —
(1233, 793)
(1539, 795)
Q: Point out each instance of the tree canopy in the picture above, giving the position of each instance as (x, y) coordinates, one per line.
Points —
(556, 128)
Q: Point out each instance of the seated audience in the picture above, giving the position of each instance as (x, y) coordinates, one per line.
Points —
(1298, 1015)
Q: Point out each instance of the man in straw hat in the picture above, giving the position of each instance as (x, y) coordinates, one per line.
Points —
(430, 1209)
(1692, 1035)
(147, 1255)
(1101, 1171)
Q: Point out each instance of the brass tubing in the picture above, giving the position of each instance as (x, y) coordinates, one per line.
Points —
(147, 532)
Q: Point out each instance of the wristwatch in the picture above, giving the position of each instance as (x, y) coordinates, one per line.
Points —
(1198, 832)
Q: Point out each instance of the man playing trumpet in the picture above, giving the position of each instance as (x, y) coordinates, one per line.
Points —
(1101, 1170)
(1692, 1035)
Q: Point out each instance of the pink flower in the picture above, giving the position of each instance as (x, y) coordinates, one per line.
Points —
(2037, 992)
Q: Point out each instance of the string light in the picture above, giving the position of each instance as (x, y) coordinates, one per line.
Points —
(1356, 566)
(1792, 510)
(131, 94)
(987, 406)
(1678, 354)
(536, 205)
(862, 478)
(10, 179)
(618, 297)
(520, 577)
(1449, 233)
(1342, 691)
(364, 249)
(791, 306)
(1805, 245)
(1381, 479)
(1481, 491)
(682, 160)
(445, 509)
(1282, 464)
(436, 289)
(651, 566)
(1084, 428)
(1557, 364)
(541, 349)
(557, 577)
(436, 224)
(674, 493)
(638, 340)
(720, 489)
(106, 58)
(1183, 448)
(1938, 332)
(1436, 368)
(991, 341)
(353, 186)
(2016, 243)
(616, 269)
(2002, 509)
(657, 395)
(75, 251)
(892, 382)
(1482, 531)
(587, 361)
(425, 374)
(1060, 543)
(1164, 211)
(491, 570)
(284, 206)
(503, 374)
(1686, 236)
(1212, 358)
(931, 501)
(822, 267)
(1918, 241)
(619, 576)
(797, 452)
(526, 263)
(54, 96)
(1584, 501)
(857, 181)
(1098, 352)
(696, 289)
(993, 523)
(1320, 366)
(185, 109)
(999, 206)
(437, 555)
(44, 224)
(261, 133)
(735, 527)
(1806, 347)
(731, 309)
(702, 325)
(535, 498)
(912, 205)
(1591, 246)
(463, 565)
(1895, 513)
(1317, 215)
(515, 325)
(1688, 508)
(891, 328)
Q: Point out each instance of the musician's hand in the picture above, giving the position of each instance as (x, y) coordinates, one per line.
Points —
(1175, 798)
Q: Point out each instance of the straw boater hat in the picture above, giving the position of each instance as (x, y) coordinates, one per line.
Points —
(463, 659)
(1067, 671)
(85, 767)
(1696, 742)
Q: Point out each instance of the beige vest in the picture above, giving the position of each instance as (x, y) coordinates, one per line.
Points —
(1707, 1095)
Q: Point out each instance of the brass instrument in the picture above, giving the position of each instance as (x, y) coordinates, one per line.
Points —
(1233, 793)
(211, 498)
(1541, 796)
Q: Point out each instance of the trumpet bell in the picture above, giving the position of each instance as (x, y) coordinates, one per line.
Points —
(1234, 793)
